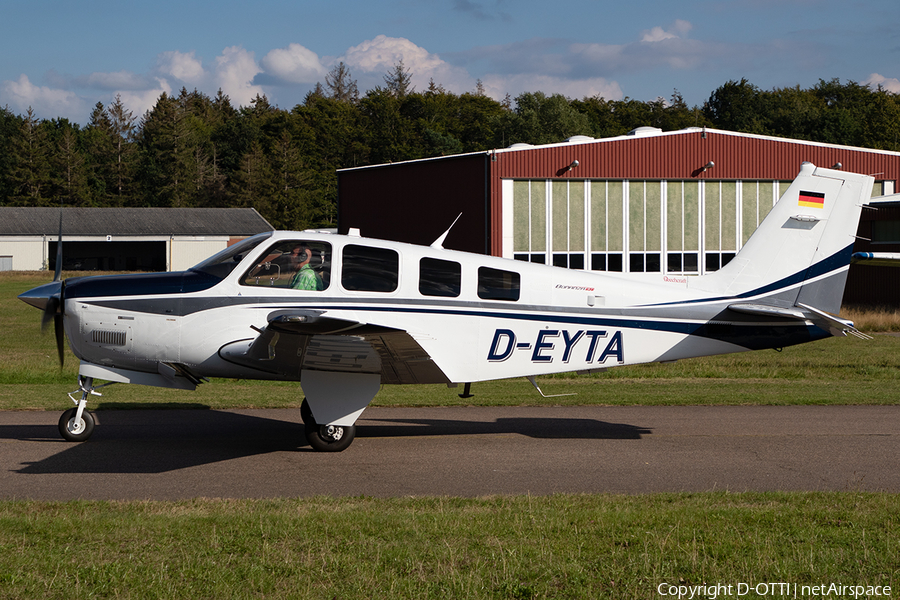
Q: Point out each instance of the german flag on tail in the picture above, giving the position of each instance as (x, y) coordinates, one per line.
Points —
(812, 199)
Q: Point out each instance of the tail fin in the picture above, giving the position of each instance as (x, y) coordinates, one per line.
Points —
(801, 251)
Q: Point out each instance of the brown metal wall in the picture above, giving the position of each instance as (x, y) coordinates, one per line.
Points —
(417, 201)
(873, 286)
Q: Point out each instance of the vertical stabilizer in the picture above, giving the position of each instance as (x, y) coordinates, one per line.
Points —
(801, 251)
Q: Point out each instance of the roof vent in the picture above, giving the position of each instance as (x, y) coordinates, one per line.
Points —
(644, 131)
(520, 146)
(579, 139)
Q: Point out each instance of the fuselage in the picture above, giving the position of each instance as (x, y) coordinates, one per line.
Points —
(476, 317)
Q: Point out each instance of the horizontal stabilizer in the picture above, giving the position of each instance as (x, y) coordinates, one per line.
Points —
(876, 259)
(763, 310)
(834, 325)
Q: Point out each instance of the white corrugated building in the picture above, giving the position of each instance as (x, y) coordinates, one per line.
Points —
(120, 239)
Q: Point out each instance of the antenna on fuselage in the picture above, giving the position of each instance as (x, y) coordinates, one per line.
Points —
(540, 391)
(439, 243)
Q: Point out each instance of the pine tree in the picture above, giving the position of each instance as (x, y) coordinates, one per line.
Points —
(69, 167)
(121, 128)
(30, 170)
(341, 85)
(398, 81)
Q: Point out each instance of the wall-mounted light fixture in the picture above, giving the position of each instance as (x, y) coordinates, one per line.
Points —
(837, 166)
(572, 165)
(707, 166)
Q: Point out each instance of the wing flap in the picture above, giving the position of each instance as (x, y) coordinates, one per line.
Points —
(299, 340)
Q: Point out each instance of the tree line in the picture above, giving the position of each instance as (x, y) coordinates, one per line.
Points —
(193, 150)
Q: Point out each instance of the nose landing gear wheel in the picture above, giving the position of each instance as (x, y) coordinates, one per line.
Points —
(329, 438)
(76, 431)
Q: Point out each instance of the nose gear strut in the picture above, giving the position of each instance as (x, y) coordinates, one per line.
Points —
(77, 424)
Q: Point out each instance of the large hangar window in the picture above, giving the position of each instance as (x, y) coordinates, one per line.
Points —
(530, 221)
(606, 218)
(683, 227)
(647, 226)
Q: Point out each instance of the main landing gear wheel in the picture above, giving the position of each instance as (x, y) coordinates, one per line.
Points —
(329, 438)
(76, 431)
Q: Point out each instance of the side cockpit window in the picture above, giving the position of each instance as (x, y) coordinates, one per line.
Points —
(294, 264)
(495, 284)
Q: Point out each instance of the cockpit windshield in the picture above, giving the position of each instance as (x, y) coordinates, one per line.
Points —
(222, 263)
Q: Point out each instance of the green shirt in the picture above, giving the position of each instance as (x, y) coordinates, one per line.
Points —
(306, 279)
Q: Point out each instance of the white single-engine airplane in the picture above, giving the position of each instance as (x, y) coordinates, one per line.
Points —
(371, 312)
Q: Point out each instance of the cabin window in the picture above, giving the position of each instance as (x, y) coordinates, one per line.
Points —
(293, 264)
(439, 277)
(494, 284)
(367, 269)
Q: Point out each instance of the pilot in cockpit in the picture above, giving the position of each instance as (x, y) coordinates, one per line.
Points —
(305, 278)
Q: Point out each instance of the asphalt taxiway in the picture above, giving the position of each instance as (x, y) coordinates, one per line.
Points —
(458, 451)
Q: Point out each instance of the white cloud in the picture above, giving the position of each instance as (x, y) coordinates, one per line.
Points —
(140, 101)
(182, 66)
(891, 84)
(657, 34)
(295, 64)
(235, 70)
(380, 55)
(660, 47)
(48, 103)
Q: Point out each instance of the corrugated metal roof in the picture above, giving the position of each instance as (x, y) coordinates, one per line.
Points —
(646, 133)
(132, 221)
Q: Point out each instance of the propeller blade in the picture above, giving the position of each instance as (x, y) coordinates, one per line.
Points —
(60, 337)
(50, 298)
(51, 310)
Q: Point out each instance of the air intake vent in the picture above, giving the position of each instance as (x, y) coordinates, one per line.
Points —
(108, 338)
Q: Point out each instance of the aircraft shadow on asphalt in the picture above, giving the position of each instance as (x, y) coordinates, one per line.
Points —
(542, 428)
(158, 441)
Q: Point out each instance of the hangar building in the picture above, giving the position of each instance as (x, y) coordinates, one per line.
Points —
(120, 239)
(680, 202)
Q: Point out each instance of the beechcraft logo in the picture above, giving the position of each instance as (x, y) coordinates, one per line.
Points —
(812, 199)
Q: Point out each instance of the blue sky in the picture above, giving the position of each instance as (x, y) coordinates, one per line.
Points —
(61, 57)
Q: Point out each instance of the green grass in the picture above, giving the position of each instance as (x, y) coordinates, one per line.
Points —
(598, 546)
(567, 546)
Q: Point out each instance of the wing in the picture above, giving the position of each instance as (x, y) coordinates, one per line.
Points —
(297, 340)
